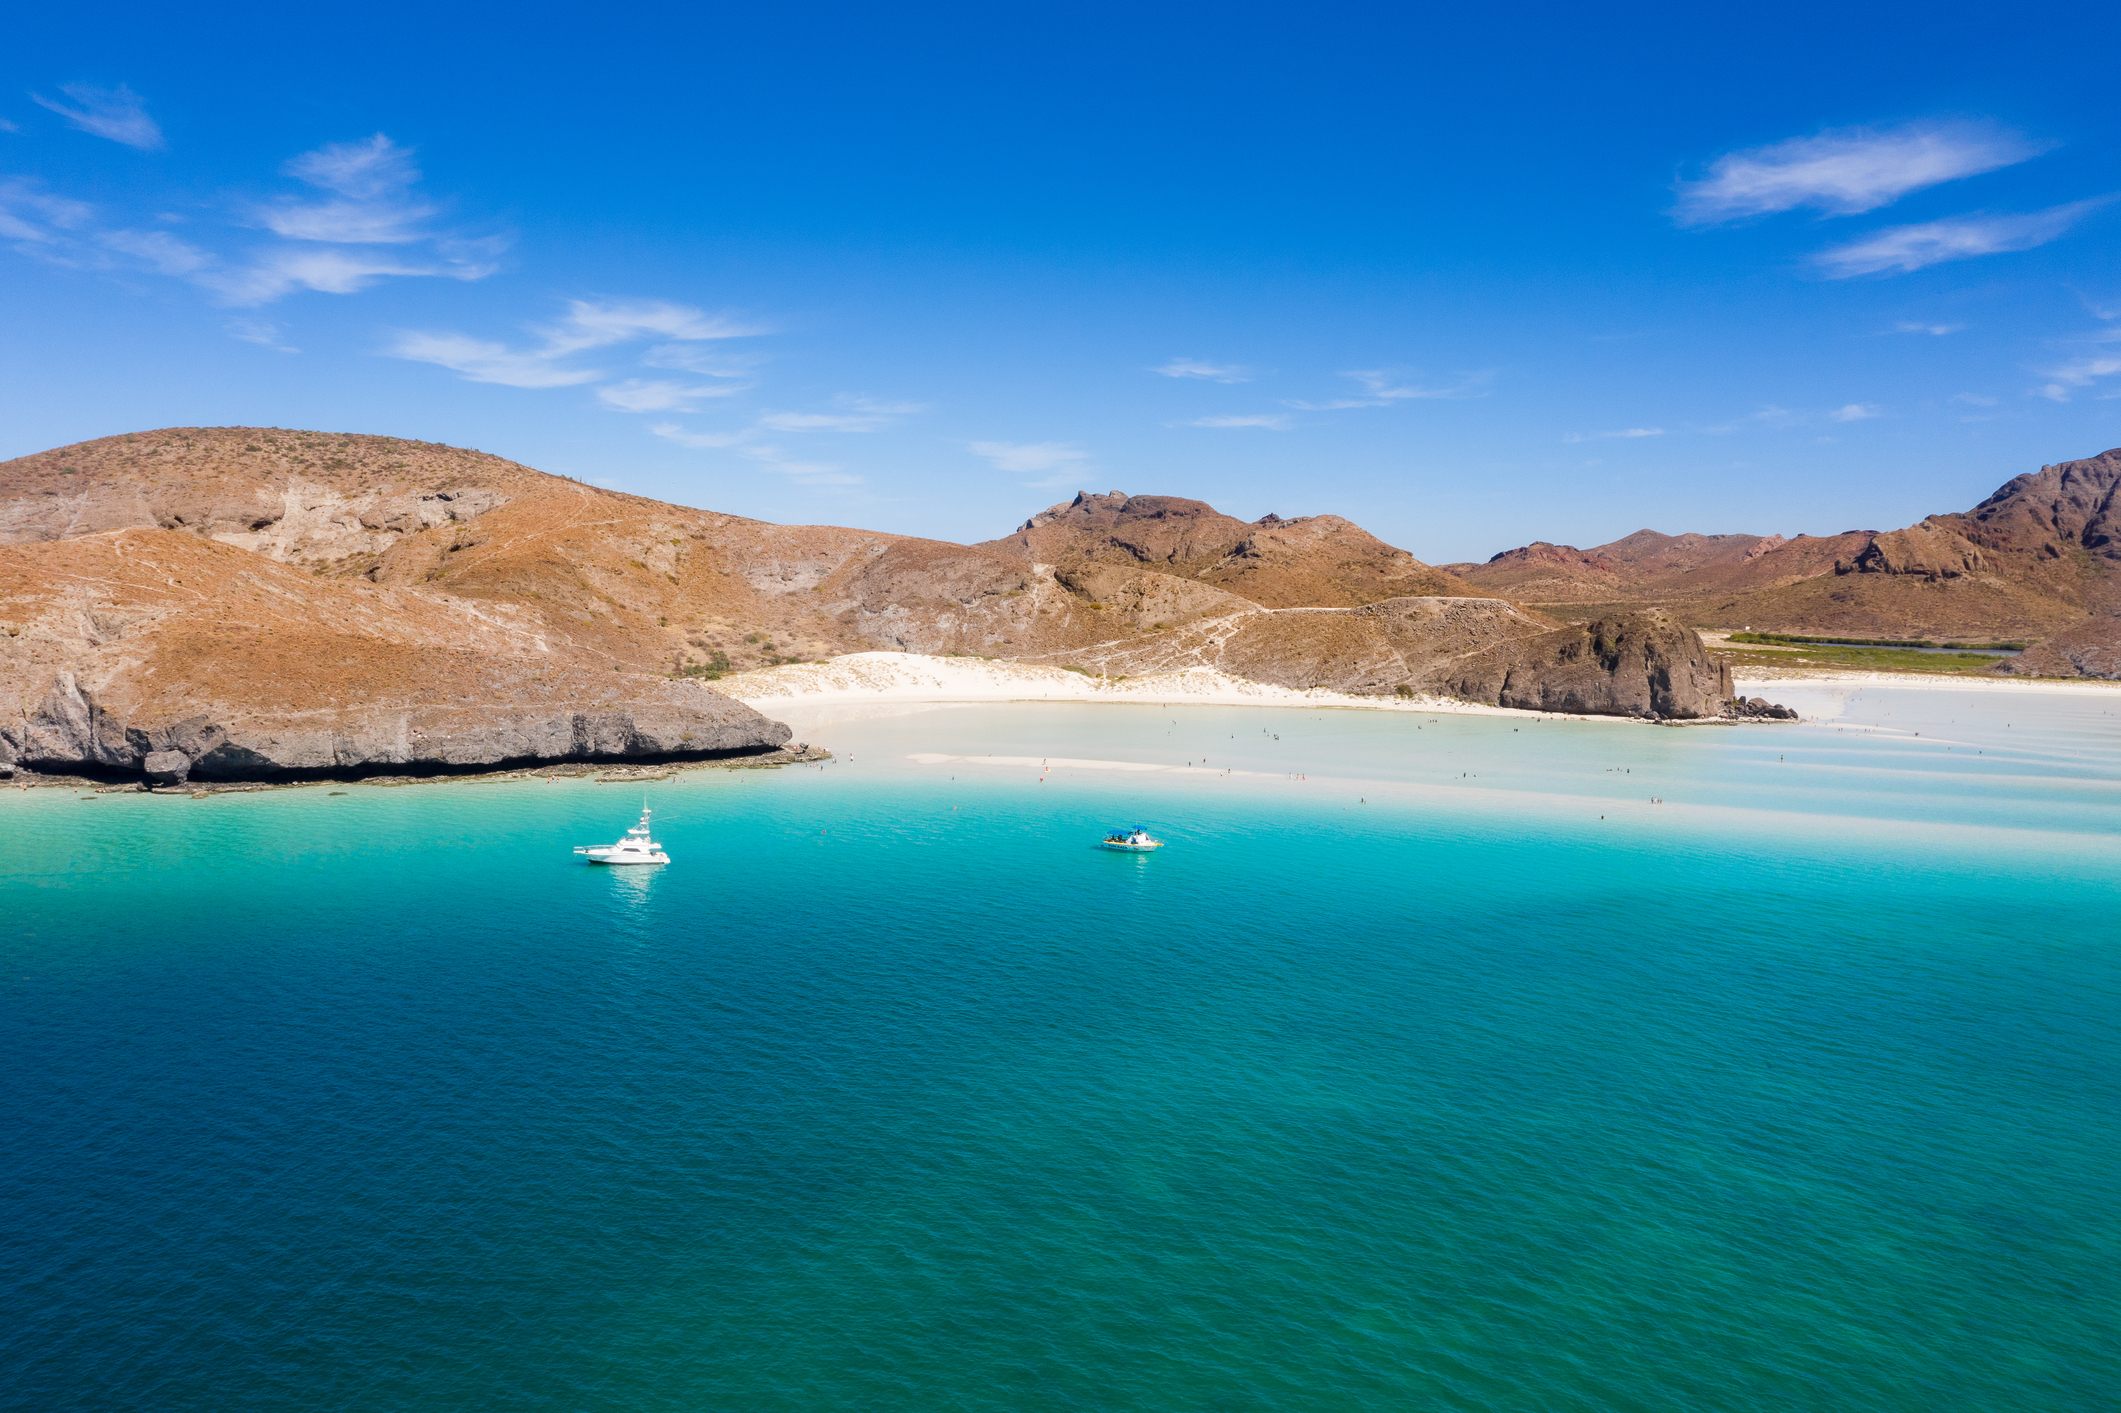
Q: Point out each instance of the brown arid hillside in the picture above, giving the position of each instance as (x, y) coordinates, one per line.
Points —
(1315, 561)
(246, 601)
(2039, 559)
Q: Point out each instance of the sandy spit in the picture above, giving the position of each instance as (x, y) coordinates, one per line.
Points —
(912, 677)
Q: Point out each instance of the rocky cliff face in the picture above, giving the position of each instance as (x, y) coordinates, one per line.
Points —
(177, 656)
(1478, 650)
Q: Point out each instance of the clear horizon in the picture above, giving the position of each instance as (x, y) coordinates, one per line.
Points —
(1470, 282)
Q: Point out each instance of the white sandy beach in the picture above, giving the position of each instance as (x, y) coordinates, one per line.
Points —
(912, 678)
(891, 679)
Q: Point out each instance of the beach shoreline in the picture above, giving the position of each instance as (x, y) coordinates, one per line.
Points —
(913, 680)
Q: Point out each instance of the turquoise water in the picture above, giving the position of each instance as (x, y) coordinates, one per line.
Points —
(1409, 1083)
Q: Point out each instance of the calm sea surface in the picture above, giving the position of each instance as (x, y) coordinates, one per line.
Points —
(1432, 1066)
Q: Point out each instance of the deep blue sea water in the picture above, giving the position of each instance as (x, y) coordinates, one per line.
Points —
(1411, 1083)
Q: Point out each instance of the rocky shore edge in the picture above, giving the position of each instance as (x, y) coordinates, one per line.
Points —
(602, 772)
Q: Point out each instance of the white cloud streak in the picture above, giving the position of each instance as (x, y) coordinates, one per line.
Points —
(2074, 376)
(588, 324)
(655, 395)
(773, 458)
(31, 214)
(374, 203)
(328, 248)
(478, 361)
(854, 414)
(1903, 249)
(1208, 372)
(1606, 436)
(1273, 422)
(851, 414)
(1030, 458)
(1856, 412)
(261, 332)
(1935, 330)
(698, 441)
(1846, 171)
(1383, 387)
(116, 113)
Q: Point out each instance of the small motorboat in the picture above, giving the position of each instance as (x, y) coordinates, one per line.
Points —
(1130, 841)
(635, 848)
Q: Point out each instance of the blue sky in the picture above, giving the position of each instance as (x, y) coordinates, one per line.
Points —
(1470, 280)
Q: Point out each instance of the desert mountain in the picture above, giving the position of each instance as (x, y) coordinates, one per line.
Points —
(1315, 561)
(251, 601)
(2041, 556)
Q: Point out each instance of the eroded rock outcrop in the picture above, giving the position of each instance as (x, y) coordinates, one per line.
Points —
(2089, 649)
(174, 657)
(70, 730)
(1478, 650)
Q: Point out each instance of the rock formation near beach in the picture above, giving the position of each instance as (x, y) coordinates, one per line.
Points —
(2040, 557)
(256, 603)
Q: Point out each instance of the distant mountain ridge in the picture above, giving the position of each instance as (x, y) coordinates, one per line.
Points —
(2040, 556)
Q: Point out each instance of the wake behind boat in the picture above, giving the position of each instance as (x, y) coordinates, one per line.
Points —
(635, 848)
(1130, 841)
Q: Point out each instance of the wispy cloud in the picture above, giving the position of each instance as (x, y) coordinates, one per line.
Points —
(805, 473)
(698, 441)
(116, 113)
(1626, 432)
(327, 247)
(373, 202)
(1773, 418)
(1845, 171)
(274, 274)
(1974, 399)
(850, 414)
(1030, 458)
(479, 361)
(1936, 330)
(2077, 375)
(588, 324)
(596, 324)
(1383, 387)
(6, 126)
(1209, 372)
(656, 395)
(1271, 421)
(261, 332)
(159, 251)
(1906, 248)
(33, 215)
(704, 359)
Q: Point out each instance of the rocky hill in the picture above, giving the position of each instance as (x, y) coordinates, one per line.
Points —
(1098, 541)
(2040, 557)
(246, 602)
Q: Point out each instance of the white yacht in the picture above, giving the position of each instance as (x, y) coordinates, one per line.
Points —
(635, 848)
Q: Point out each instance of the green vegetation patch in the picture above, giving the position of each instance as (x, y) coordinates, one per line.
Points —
(1869, 659)
(1794, 638)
